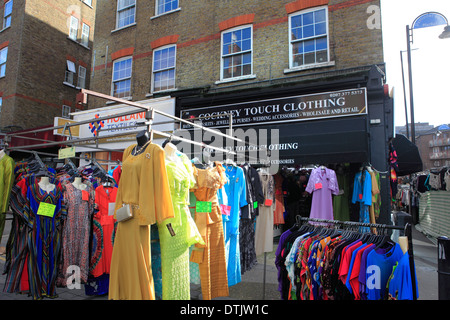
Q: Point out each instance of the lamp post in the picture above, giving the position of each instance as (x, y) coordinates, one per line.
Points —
(428, 19)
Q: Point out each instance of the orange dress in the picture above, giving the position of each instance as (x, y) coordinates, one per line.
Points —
(143, 183)
(211, 256)
(278, 217)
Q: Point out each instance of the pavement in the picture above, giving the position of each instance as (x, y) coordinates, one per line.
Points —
(260, 283)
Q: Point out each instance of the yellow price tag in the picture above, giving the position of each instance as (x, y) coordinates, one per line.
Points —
(46, 209)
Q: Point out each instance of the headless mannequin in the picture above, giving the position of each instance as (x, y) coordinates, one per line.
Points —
(78, 184)
(45, 184)
(142, 139)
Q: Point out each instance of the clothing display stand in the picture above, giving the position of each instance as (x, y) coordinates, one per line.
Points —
(407, 229)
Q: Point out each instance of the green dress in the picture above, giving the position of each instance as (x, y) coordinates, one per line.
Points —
(7, 165)
(175, 245)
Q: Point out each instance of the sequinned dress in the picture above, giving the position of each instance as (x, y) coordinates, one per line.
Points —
(211, 256)
(175, 249)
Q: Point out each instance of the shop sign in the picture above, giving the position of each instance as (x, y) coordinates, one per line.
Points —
(343, 103)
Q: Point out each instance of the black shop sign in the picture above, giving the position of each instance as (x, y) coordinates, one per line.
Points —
(334, 104)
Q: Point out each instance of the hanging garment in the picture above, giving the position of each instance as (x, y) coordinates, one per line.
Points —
(76, 233)
(7, 166)
(211, 256)
(362, 193)
(143, 184)
(177, 234)
(235, 190)
(248, 217)
(35, 251)
(341, 209)
(322, 184)
(103, 230)
(265, 220)
(278, 215)
(400, 285)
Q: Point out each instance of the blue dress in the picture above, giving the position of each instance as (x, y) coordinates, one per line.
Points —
(235, 190)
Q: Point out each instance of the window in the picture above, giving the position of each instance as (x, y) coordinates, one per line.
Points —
(163, 6)
(85, 35)
(3, 58)
(164, 68)
(73, 30)
(308, 38)
(81, 77)
(65, 111)
(7, 14)
(121, 86)
(125, 12)
(70, 72)
(237, 53)
(88, 2)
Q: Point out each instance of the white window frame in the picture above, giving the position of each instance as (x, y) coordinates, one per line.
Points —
(113, 81)
(69, 76)
(123, 9)
(292, 42)
(66, 110)
(7, 15)
(223, 57)
(4, 52)
(88, 2)
(85, 30)
(161, 3)
(164, 69)
(81, 82)
(73, 28)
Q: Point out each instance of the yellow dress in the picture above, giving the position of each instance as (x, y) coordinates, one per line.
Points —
(143, 183)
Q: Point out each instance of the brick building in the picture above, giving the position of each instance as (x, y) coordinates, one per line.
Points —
(277, 64)
(46, 51)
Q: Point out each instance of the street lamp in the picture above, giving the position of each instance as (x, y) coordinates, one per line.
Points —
(428, 19)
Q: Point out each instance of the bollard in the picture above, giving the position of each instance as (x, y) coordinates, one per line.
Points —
(444, 268)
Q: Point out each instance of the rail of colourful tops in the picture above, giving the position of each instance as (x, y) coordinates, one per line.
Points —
(408, 233)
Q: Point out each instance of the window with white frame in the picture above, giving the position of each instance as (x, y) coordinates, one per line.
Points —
(121, 82)
(85, 34)
(3, 58)
(237, 52)
(7, 14)
(81, 77)
(163, 6)
(73, 30)
(70, 72)
(308, 32)
(126, 12)
(164, 68)
(66, 111)
(88, 2)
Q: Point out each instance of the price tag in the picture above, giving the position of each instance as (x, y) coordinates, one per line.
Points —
(318, 186)
(225, 209)
(84, 195)
(268, 202)
(46, 209)
(203, 206)
(169, 227)
(255, 204)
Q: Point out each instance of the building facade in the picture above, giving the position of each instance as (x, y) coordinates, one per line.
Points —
(310, 70)
(46, 51)
(434, 147)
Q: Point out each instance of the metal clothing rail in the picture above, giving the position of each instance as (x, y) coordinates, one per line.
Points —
(408, 233)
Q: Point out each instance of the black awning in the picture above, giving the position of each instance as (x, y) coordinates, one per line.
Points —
(408, 157)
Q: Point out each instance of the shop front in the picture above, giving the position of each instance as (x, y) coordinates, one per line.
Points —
(343, 124)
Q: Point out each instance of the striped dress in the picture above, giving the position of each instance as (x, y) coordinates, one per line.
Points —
(35, 250)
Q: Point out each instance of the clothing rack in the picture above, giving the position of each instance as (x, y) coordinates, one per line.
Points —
(408, 233)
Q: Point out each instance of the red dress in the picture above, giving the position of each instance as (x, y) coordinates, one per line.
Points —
(103, 230)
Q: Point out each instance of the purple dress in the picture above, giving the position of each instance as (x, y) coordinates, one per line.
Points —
(322, 184)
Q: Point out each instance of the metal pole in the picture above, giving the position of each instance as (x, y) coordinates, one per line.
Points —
(411, 97)
(404, 95)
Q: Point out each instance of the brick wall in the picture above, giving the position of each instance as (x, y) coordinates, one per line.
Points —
(34, 93)
(197, 26)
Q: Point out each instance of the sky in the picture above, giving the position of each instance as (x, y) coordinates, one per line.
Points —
(430, 60)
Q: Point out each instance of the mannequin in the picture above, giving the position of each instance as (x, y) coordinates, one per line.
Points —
(142, 139)
(78, 184)
(170, 150)
(2, 153)
(45, 184)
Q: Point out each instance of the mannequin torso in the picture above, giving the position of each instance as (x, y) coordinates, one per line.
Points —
(45, 184)
(78, 184)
